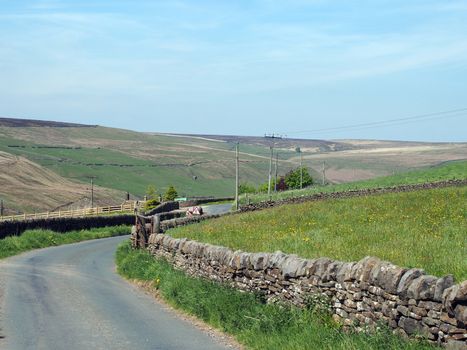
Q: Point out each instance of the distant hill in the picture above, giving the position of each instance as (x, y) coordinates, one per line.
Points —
(22, 123)
(27, 186)
(197, 165)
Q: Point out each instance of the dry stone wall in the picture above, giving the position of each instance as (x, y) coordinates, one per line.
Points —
(353, 193)
(361, 294)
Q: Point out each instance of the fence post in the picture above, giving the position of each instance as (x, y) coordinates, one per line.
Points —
(157, 224)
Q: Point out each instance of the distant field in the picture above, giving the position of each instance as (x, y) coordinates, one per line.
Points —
(416, 229)
(446, 171)
(197, 165)
(130, 161)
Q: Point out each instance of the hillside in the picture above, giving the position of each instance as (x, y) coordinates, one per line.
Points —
(198, 165)
(22, 123)
(354, 160)
(30, 187)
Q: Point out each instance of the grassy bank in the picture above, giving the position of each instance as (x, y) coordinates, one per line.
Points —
(447, 171)
(245, 315)
(35, 239)
(424, 229)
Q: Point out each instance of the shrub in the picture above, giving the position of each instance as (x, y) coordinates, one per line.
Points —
(151, 192)
(170, 194)
(246, 188)
(151, 204)
(292, 178)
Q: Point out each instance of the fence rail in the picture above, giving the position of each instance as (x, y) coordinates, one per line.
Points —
(125, 207)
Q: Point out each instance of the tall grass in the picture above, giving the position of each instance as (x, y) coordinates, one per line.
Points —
(35, 239)
(449, 171)
(426, 229)
(245, 315)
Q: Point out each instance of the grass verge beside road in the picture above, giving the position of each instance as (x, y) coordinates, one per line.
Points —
(246, 316)
(425, 229)
(35, 239)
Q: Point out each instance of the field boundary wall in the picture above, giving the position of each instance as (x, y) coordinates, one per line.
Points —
(361, 294)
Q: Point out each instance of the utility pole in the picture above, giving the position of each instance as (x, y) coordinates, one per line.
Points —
(92, 189)
(299, 150)
(301, 170)
(275, 176)
(1, 207)
(270, 170)
(324, 172)
(273, 137)
(92, 193)
(236, 176)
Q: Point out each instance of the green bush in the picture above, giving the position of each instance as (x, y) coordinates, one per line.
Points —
(151, 204)
(292, 178)
(170, 194)
(246, 188)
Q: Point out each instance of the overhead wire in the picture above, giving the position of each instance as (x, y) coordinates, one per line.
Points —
(389, 122)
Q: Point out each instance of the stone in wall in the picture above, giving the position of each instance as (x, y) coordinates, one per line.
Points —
(361, 294)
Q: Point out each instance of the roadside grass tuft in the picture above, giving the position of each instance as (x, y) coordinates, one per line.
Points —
(245, 315)
(34, 239)
(425, 229)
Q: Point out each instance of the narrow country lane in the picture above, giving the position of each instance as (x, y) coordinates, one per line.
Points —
(70, 297)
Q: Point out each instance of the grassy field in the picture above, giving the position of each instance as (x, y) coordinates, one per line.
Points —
(446, 171)
(35, 239)
(246, 316)
(125, 160)
(424, 229)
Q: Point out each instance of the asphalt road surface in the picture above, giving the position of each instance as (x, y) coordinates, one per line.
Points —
(216, 209)
(69, 297)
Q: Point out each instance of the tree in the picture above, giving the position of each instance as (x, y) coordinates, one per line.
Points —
(263, 188)
(246, 188)
(151, 192)
(170, 194)
(281, 185)
(292, 178)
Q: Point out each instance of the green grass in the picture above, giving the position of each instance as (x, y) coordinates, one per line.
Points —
(446, 171)
(425, 229)
(34, 239)
(244, 315)
(215, 175)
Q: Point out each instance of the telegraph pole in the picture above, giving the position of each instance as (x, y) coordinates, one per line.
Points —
(324, 172)
(275, 176)
(92, 189)
(236, 176)
(92, 193)
(270, 170)
(301, 170)
(273, 137)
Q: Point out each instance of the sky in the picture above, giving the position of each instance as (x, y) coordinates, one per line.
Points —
(298, 68)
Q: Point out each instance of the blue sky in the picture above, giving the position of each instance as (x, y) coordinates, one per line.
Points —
(238, 67)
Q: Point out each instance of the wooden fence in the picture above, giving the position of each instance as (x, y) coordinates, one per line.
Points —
(125, 207)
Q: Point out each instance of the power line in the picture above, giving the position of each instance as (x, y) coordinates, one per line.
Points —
(390, 122)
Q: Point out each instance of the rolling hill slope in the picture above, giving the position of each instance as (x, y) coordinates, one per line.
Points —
(198, 165)
(27, 186)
